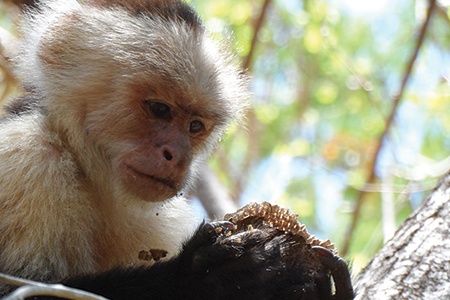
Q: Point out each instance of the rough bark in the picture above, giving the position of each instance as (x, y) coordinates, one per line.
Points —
(415, 263)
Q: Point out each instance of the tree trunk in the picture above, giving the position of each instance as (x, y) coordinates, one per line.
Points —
(415, 263)
(212, 194)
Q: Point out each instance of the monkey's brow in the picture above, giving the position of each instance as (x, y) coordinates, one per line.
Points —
(203, 113)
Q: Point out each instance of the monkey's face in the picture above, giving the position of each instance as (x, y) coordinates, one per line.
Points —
(157, 168)
(151, 132)
(166, 138)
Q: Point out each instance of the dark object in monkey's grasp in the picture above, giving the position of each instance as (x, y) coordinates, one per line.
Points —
(266, 215)
(306, 249)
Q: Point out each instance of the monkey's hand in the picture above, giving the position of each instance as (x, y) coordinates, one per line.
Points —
(254, 264)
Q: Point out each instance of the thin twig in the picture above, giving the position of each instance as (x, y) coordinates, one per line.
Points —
(257, 25)
(396, 101)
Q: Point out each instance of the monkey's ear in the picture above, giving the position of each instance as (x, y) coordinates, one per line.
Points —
(58, 48)
(42, 39)
(63, 55)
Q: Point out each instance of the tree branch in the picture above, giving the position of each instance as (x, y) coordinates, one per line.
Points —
(396, 102)
(257, 25)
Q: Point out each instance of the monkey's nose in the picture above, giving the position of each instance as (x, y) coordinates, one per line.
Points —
(167, 155)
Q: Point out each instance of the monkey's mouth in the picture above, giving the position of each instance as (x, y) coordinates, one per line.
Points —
(164, 181)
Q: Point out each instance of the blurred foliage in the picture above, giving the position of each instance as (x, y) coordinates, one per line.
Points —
(324, 77)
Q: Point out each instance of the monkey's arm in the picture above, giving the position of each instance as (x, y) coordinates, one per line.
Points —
(213, 266)
(205, 269)
(174, 279)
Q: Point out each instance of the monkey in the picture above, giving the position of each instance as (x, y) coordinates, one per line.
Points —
(122, 101)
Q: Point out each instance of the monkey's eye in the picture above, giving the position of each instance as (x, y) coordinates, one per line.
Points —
(196, 127)
(159, 109)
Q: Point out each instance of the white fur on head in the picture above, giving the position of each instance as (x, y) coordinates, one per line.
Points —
(71, 48)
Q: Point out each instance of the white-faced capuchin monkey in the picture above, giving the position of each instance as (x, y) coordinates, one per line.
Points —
(122, 99)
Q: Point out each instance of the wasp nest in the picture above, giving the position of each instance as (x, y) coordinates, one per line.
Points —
(279, 228)
(266, 215)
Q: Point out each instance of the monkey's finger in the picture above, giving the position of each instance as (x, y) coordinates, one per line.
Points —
(206, 235)
(220, 228)
(339, 271)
